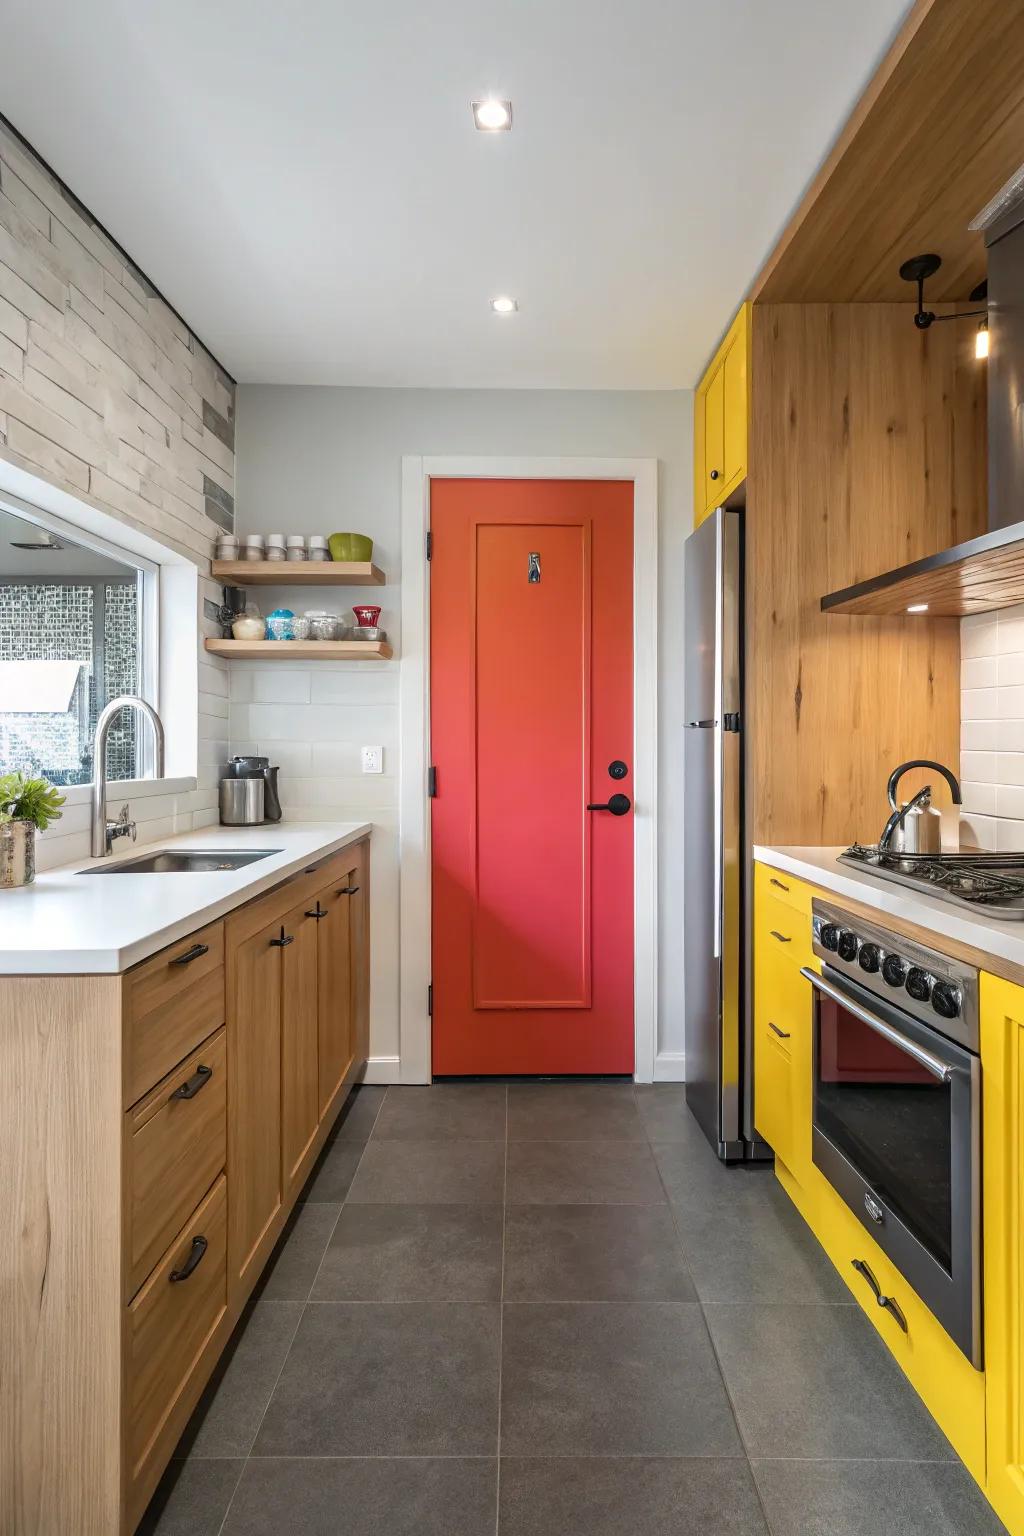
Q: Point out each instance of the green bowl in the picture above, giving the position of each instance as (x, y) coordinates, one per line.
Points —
(350, 547)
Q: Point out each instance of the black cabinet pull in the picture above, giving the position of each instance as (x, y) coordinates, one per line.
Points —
(782, 938)
(772, 881)
(191, 1264)
(318, 914)
(188, 955)
(783, 1034)
(714, 474)
(286, 938)
(199, 1079)
(347, 890)
(887, 1303)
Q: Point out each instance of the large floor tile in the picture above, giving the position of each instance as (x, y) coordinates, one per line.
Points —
(642, 1496)
(663, 1111)
(611, 1379)
(756, 1246)
(582, 1173)
(573, 1112)
(817, 1381)
(365, 1380)
(873, 1498)
(292, 1268)
(359, 1114)
(332, 1174)
(594, 1253)
(192, 1498)
(695, 1179)
(420, 1497)
(471, 1111)
(430, 1172)
(229, 1412)
(413, 1253)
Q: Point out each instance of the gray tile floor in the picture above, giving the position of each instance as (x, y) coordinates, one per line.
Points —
(547, 1310)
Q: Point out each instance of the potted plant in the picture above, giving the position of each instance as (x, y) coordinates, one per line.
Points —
(25, 804)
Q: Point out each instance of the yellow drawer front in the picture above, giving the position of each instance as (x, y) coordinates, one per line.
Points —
(951, 1389)
(781, 931)
(781, 886)
(782, 1058)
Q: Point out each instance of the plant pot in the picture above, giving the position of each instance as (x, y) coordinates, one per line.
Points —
(17, 854)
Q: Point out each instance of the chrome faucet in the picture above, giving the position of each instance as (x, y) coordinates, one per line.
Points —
(103, 831)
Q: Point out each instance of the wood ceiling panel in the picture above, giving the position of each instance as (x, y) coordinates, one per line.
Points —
(937, 133)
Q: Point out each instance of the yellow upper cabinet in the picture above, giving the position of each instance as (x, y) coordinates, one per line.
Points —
(720, 420)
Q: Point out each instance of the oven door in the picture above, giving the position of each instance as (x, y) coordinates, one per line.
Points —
(896, 1131)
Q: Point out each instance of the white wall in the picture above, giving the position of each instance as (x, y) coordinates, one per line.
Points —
(322, 460)
(992, 729)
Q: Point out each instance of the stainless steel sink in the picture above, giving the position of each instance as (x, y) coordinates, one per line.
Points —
(188, 861)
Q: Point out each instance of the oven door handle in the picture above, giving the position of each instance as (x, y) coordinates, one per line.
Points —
(931, 1063)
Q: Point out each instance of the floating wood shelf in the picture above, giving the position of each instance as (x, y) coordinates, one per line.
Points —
(302, 650)
(974, 577)
(299, 573)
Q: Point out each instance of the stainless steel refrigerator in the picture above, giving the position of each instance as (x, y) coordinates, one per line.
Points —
(718, 1065)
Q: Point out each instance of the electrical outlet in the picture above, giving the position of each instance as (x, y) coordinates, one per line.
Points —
(373, 759)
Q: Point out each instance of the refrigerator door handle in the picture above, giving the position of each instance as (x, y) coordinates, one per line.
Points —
(701, 725)
(718, 820)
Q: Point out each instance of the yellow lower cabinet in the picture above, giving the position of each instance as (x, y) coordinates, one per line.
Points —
(951, 1389)
(1002, 1076)
(782, 1057)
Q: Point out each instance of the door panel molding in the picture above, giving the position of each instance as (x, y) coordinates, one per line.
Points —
(414, 731)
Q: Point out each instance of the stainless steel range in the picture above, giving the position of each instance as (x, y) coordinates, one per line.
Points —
(990, 882)
(897, 1109)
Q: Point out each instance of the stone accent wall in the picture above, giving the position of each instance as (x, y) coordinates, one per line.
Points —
(106, 393)
(103, 389)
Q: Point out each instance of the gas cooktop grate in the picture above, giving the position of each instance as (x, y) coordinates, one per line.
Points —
(980, 879)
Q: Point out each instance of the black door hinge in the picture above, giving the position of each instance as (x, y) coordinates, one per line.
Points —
(430, 545)
(432, 783)
(430, 1001)
(731, 722)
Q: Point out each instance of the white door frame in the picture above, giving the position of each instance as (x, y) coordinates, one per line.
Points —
(414, 735)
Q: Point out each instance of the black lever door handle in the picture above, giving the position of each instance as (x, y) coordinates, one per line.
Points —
(318, 914)
(618, 805)
(199, 1247)
(199, 1079)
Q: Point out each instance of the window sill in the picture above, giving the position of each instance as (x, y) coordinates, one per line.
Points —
(129, 789)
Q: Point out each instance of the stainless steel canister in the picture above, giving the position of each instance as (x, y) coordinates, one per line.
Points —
(241, 802)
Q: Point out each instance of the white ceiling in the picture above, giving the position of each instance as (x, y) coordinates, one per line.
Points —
(304, 183)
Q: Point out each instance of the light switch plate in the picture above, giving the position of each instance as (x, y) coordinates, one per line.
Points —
(373, 759)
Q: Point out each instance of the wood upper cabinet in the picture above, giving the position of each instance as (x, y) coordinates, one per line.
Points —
(720, 421)
(300, 1098)
(1002, 1077)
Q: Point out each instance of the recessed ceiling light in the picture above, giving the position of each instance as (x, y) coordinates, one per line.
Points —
(918, 608)
(503, 305)
(492, 116)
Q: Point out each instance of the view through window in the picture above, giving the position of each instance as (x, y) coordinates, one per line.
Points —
(70, 640)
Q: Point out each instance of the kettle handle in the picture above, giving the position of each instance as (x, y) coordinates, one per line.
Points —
(922, 762)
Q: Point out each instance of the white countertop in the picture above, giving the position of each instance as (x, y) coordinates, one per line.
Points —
(1004, 940)
(72, 924)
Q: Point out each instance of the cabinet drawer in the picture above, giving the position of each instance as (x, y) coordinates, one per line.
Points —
(171, 1003)
(780, 929)
(176, 1141)
(785, 889)
(170, 1322)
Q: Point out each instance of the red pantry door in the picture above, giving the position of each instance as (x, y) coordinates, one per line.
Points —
(531, 709)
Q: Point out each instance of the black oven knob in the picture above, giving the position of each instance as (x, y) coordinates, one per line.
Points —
(870, 957)
(829, 936)
(848, 945)
(919, 984)
(946, 1000)
(894, 970)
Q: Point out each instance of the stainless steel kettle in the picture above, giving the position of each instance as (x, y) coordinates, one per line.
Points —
(916, 826)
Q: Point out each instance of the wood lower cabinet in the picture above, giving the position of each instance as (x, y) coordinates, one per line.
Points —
(159, 1128)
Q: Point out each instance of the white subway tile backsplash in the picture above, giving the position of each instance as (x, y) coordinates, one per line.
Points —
(281, 684)
(979, 671)
(992, 728)
(366, 686)
(978, 635)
